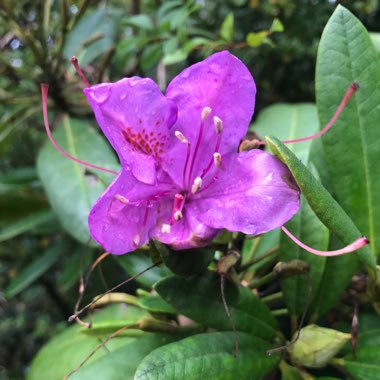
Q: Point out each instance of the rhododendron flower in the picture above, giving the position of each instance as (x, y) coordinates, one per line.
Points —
(182, 179)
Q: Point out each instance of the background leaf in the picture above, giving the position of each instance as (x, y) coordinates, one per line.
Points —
(346, 54)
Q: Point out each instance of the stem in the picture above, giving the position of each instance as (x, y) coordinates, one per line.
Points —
(273, 297)
(280, 312)
(255, 260)
(257, 283)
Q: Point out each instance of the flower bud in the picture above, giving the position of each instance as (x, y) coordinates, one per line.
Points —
(316, 346)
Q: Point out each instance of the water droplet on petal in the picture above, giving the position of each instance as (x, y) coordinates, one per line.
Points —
(101, 94)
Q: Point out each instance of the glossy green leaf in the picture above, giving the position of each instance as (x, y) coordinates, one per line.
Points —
(199, 298)
(122, 363)
(68, 349)
(210, 356)
(352, 150)
(323, 204)
(289, 122)
(34, 270)
(307, 227)
(71, 189)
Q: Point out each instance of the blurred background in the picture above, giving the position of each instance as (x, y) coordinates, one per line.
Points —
(43, 250)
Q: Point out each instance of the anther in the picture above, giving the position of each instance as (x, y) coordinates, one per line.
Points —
(181, 137)
(205, 113)
(165, 228)
(121, 199)
(218, 123)
(196, 185)
(178, 215)
(136, 240)
(217, 159)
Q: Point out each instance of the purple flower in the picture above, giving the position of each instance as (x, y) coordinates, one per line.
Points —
(182, 179)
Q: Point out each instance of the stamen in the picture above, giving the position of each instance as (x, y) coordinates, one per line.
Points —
(121, 199)
(136, 240)
(74, 61)
(165, 228)
(351, 91)
(212, 160)
(44, 91)
(181, 137)
(359, 243)
(217, 160)
(218, 123)
(178, 215)
(205, 113)
(196, 185)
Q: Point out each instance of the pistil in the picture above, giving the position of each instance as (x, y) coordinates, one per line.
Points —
(359, 243)
(179, 201)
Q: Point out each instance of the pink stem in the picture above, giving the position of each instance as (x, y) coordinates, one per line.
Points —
(351, 91)
(44, 91)
(359, 243)
(74, 61)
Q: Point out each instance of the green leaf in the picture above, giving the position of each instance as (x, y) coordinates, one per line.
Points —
(323, 204)
(277, 26)
(346, 54)
(199, 298)
(210, 356)
(122, 363)
(227, 29)
(307, 227)
(71, 191)
(365, 365)
(68, 349)
(288, 122)
(256, 39)
(25, 224)
(34, 270)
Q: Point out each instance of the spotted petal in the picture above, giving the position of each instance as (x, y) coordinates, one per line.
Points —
(136, 118)
(253, 193)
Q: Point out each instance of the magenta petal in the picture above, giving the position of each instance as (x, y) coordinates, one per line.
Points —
(223, 83)
(136, 118)
(184, 234)
(123, 216)
(254, 193)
